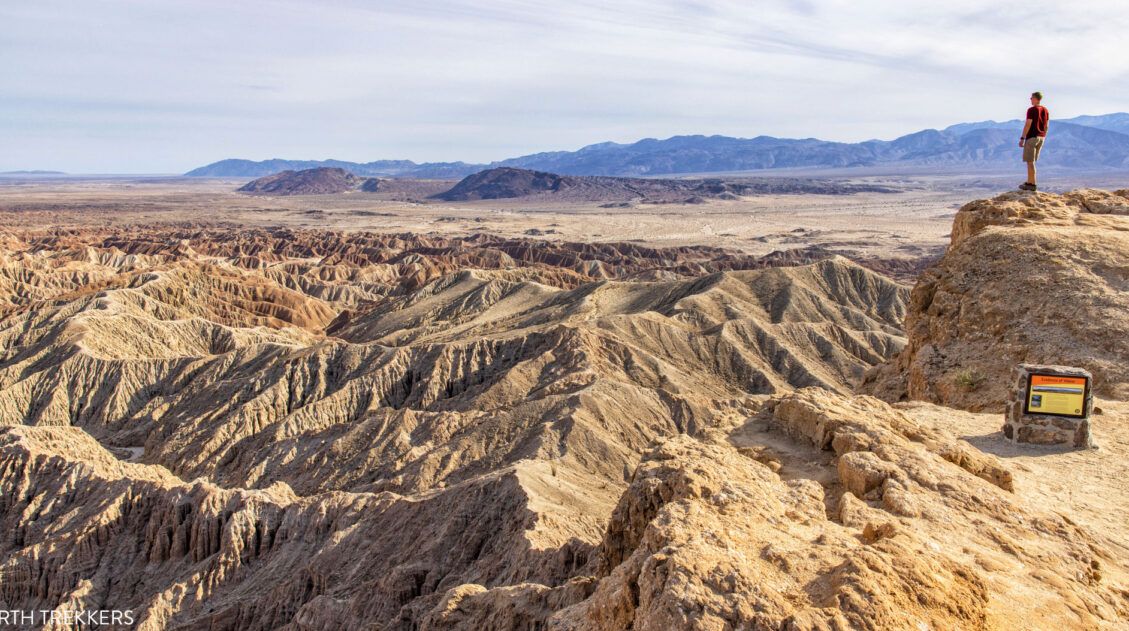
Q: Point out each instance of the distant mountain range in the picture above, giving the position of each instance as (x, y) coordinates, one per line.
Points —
(1083, 142)
(1109, 122)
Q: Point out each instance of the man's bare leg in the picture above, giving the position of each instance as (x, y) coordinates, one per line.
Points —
(1031, 173)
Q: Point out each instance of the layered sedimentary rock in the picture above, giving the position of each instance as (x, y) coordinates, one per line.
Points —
(249, 363)
(373, 418)
(1028, 278)
(83, 529)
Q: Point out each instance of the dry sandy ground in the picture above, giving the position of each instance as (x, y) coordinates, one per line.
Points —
(1085, 486)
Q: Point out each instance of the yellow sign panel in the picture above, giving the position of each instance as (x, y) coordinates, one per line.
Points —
(1054, 394)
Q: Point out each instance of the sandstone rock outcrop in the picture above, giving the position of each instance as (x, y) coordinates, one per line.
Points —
(83, 528)
(899, 534)
(1028, 278)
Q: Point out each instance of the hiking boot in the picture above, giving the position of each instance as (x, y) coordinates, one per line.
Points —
(1027, 186)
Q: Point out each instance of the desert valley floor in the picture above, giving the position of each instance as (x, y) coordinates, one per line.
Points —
(904, 224)
(368, 411)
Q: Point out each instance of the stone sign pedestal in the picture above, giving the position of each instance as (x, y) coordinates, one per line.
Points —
(1049, 405)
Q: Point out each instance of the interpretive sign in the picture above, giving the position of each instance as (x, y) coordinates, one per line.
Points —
(1049, 405)
(1057, 394)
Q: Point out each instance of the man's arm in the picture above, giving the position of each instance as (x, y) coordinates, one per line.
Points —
(1026, 128)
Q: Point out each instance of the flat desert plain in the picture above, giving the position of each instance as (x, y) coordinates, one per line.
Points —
(908, 223)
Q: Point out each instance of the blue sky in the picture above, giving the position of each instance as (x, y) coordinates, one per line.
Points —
(161, 87)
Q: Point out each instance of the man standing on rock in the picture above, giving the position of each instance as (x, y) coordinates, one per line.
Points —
(1034, 131)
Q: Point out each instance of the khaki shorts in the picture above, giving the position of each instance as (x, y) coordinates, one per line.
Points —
(1032, 148)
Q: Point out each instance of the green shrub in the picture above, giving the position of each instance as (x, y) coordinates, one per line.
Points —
(969, 379)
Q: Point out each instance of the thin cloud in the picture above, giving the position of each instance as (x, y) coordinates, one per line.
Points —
(176, 85)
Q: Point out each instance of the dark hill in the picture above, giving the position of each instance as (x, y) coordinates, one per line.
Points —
(319, 181)
(506, 182)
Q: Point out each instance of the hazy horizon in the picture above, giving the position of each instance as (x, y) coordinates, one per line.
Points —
(127, 87)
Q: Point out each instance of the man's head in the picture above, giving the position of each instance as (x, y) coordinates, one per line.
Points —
(1036, 98)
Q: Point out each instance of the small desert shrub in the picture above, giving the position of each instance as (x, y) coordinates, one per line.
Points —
(969, 379)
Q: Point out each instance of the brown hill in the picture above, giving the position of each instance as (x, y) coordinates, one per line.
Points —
(1035, 278)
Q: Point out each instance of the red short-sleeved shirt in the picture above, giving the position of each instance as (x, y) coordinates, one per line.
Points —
(1039, 117)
